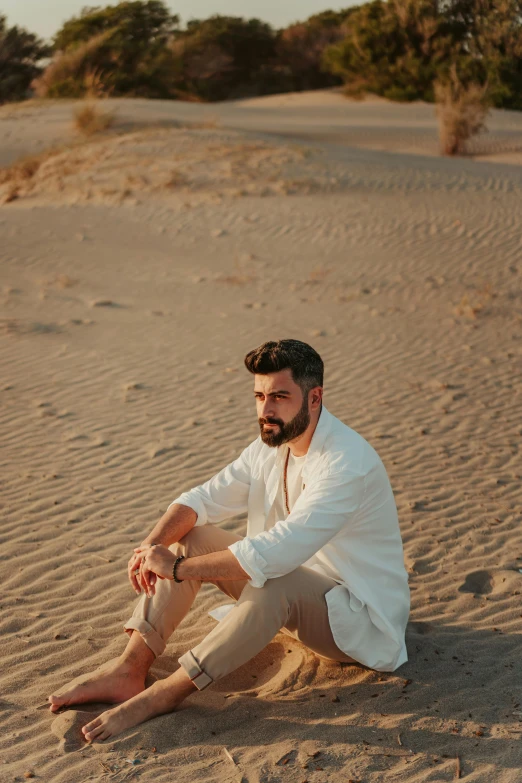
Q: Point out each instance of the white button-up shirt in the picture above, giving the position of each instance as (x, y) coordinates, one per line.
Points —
(344, 525)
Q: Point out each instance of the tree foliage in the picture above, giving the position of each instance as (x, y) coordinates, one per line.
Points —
(400, 48)
(224, 57)
(135, 34)
(301, 46)
(395, 48)
(20, 53)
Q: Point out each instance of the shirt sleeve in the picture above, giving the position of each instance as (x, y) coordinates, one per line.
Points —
(224, 495)
(321, 511)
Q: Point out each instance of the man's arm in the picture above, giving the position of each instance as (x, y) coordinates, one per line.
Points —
(215, 565)
(175, 523)
(224, 495)
(318, 515)
(321, 511)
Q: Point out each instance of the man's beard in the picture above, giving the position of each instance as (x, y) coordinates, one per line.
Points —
(289, 431)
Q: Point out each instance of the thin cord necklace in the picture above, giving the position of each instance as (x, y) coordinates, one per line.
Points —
(284, 481)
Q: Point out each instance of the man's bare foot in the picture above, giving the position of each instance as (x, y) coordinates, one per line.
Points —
(113, 683)
(163, 696)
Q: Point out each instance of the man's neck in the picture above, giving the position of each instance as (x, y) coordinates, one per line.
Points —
(299, 446)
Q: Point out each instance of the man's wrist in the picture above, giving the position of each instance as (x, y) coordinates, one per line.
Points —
(179, 567)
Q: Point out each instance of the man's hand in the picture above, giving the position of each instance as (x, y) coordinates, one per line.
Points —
(136, 573)
(175, 523)
(155, 562)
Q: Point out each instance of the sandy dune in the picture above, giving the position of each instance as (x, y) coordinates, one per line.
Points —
(325, 116)
(125, 318)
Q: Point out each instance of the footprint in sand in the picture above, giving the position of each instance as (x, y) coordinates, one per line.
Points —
(78, 440)
(421, 628)
(104, 303)
(68, 728)
(477, 582)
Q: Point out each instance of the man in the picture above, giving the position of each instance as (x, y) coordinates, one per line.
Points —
(322, 559)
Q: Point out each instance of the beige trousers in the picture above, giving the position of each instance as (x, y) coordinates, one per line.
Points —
(294, 603)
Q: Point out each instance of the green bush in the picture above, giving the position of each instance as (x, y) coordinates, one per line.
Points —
(400, 48)
(20, 54)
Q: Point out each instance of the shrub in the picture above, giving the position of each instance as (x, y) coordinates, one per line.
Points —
(462, 110)
(90, 119)
(71, 73)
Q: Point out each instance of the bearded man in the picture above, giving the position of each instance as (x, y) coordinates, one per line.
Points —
(322, 559)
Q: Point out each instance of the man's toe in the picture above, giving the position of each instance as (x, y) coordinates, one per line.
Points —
(89, 727)
(94, 734)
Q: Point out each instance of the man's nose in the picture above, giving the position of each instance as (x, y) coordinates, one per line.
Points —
(267, 411)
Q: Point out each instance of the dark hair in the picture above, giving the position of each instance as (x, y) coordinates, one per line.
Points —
(306, 365)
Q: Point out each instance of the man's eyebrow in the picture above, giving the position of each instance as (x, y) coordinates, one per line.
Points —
(281, 391)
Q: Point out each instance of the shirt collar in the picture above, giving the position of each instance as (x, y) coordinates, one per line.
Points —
(315, 449)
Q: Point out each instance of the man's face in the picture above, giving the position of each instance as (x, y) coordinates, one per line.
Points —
(282, 410)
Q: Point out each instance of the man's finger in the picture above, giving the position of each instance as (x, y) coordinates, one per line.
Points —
(152, 583)
(146, 579)
(147, 575)
(141, 577)
(134, 564)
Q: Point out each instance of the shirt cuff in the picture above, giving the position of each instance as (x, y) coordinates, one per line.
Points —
(193, 501)
(250, 561)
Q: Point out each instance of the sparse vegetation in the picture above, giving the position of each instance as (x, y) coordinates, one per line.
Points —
(90, 119)
(72, 73)
(197, 165)
(462, 110)
(18, 176)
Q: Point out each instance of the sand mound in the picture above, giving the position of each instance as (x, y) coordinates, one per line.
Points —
(175, 164)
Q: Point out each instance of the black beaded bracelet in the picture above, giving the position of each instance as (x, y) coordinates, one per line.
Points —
(175, 567)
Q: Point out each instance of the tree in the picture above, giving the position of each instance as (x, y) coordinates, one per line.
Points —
(489, 33)
(400, 48)
(135, 36)
(224, 57)
(20, 54)
(301, 46)
(392, 49)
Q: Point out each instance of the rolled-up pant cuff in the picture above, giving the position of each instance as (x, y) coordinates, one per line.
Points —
(200, 679)
(149, 635)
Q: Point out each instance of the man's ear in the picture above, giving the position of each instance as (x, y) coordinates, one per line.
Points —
(316, 396)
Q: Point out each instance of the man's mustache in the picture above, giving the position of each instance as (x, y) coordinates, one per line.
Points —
(271, 421)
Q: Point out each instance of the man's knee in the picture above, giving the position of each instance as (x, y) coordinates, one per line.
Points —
(202, 540)
(273, 593)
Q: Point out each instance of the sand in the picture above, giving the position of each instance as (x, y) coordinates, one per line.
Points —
(126, 310)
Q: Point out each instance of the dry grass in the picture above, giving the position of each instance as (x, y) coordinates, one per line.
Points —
(19, 175)
(462, 111)
(90, 119)
(22, 170)
(161, 162)
(71, 71)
